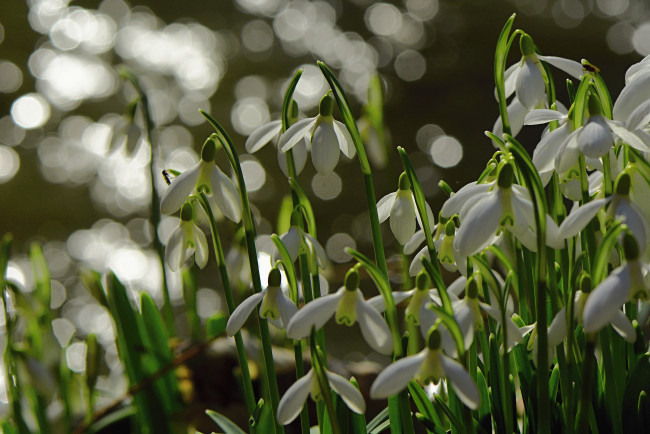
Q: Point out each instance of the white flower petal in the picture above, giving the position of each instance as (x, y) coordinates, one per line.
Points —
(623, 326)
(606, 299)
(295, 133)
(569, 66)
(416, 264)
(530, 85)
(510, 77)
(396, 377)
(325, 147)
(640, 117)
(286, 308)
(180, 188)
(384, 206)
(479, 225)
(345, 140)
(200, 247)
(175, 250)
(516, 116)
(314, 314)
(412, 244)
(632, 96)
(262, 136)
(402, 217)
(458, 286)
(377, 302)
(225, 194)
(548, 148)
(595, 138)
(373, 327)
(321, 256)
(463, 384)
(628, 136)
(294, 399)
(291, 240)
(568, 153)
(580, 217)
(243, 311)
(346, 390)
(465, 195)
(635, 71)
(633, 218)
(543, 116)
(465, 319)
(557, 331)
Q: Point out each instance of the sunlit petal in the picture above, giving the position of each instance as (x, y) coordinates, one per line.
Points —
(225, 194)
(314, 314)
(294, 399)
(580, 217)
(180, 188)
(262, 136)
(243, 311)
(569, 66)
(345, 140)
(633, 95)
(175, 250)
(543, 116)
(373, 328)
(396, 377)
(402, 217)
(200, 247)
(384, 206)
(479, 225)
(412, 244)
(325, 147)
(463, 384)
(530, 84)
(295, 133)
(606, 299)
(468, 193)
(623, 326)
(346, 390)
(286, 307)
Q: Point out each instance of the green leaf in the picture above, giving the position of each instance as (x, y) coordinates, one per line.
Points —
(112, 418)
(284, 214)
(307, 210)
(423, 404)
(228, 426)
(288, 267)
(500, 55)
(216, 325)
(378, 420)
(155, 327)
(638, 382)
(442, 405)
(288, 96)
(601, 261)
(42, 277)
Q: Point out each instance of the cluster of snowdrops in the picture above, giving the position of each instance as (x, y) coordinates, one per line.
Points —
(550, 253)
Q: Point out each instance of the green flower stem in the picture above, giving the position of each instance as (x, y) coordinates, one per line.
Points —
(613, 396)
(588, 232)
(505, 377)
(501, 53)
(317, 365)
(607, 175)
(249, 228)
(587, 384)
(155, 199)
(348, 119)
(247, 384)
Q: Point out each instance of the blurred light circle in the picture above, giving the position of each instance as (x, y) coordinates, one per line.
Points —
(11, 77)
(310, 88)
(252, 85)
(410, 65)
(383, 19)
(30, 111)
(9, 163)
(2, 33)
(327, 187)
(257, 36)
(63, 330)
(248, 114)
(335, 247)
(641, 39)
(619, 38)
(254, 174)
(422, 9)
(188, 109)
(10, 133)
(446, 151)
(426, 135)
(290, 24)
(207, 302)
(75, 356)
(66, 34)
(613, 7)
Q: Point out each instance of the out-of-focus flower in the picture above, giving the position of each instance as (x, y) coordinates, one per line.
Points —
(186, 240)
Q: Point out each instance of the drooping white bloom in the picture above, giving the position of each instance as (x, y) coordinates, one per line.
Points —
(276, 306)
(349, 307)
(294, 398)
(429, 365)
(400, 207)
(271, 132)
(327, 136)
(204, 177)
(186, 240)
(296, 239)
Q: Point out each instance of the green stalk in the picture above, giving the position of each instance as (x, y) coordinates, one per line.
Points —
(247, 384)
(587, 383)
(612, 395)
(155, 200)
(500, 55)
(319, 371)
(249, 227)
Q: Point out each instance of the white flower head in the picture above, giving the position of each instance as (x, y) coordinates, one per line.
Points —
(349, 307)
(623, 284)
(275, 305)
(294, 398)
(399, 206)
(204, 177)
(297, 240)
(429, 365)
(327, 136)
(186, 240)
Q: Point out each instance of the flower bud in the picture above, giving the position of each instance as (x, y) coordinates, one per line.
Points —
(450, 229)
(326, 105)
(526, 45)
(630, 247)
(585, 283)
(422, 282)
(275, 278)
(352, 280)
(623, 184)
(434, 339)
(404, 183)
(505, 176)
(186, 212)
(209, 150)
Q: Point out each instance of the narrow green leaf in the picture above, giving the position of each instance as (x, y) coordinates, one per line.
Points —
(287, 265)
(284, 214)
(103, 424)
(601, 261)
(305, 203)
(423, 404)
(228, 426)
(500, 56)
(288, 97)
(638, 383)
(442, 405)
(381, 417)
(42, 276)
(155, 327)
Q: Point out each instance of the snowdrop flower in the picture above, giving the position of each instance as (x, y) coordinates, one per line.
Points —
(526, 77)
(276, 306)
(516, 116)
(204, 177)
(595, 139)
(623, 284)
(294, 399)
(505, 206)
(271, 132)
(297, 240)
(186, 240)
(327, 137)
(348, 306)
(429, 365)
(556, 333)
(400, 207)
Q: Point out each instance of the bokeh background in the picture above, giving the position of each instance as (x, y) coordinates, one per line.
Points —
(68, 181)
